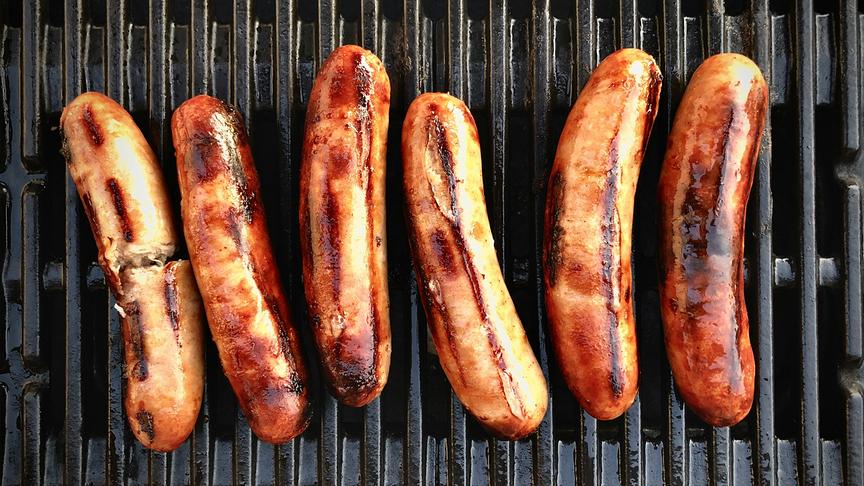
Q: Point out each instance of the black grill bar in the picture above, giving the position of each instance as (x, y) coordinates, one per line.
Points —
(763, 316)
(810, 447)
(72, 437)
(545, 459)
(519, 68)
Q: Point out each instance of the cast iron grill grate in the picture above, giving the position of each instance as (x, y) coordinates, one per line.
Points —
(519, 66)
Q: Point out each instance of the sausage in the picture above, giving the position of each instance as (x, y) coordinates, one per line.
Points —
(165, 365)
(478, 335)
(121, 187)
(343, 224)
(226, 233)
(588, 232)
(703, 190)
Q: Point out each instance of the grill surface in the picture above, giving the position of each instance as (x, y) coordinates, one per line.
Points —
(519, 66)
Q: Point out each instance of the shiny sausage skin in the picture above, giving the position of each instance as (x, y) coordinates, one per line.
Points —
(124, 197)
(343, 224)
(588, 232)
(165, 366)
(704, 186)
(226, 233)
(120, 184)
(478, 335)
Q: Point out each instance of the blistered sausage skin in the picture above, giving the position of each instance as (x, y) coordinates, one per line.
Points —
(342, 222)
(588, 232)
(478, 335)
(704, 186)
(124, 197)
(226, 233)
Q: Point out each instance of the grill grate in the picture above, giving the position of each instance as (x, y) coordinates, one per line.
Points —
(519, 66)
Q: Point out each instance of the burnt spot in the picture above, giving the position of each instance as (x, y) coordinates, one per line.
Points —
(374, 322)
(442, 251)
(93, 129)
(280, 321)
(615, 371)
(145, 421)
(136, 340)
(295, 386)
(330, 240)
(120, 208)
(349, 371)
(611, 270)
(445, 156)
(554, 256)
(171, 301)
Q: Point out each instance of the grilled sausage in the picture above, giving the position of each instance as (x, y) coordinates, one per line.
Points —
(226, 233)
(342, 222)
(124, 197)
(703, 190)
(478, 335)
(588, 228)
(120, 184)
(162, 329)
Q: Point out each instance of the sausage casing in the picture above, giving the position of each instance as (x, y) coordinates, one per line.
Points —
(343, 224)
(165, 366)
(120, 184)
(588, 232)
(480, 341)
(226, 233)
(124, 197)
(704, 186)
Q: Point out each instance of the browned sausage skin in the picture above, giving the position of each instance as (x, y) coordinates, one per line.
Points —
(165, 364)
(704, 186)
(124, 197)
(120, 184)
(480, 340)
(588, 231)
(229, 246)
(342, 222)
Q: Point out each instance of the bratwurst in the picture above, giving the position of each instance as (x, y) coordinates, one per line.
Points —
(588, 232)
(343, 224)
(478, 335)
(704, 186)
(226, 233)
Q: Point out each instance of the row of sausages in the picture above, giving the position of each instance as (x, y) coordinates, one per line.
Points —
(231, 276)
